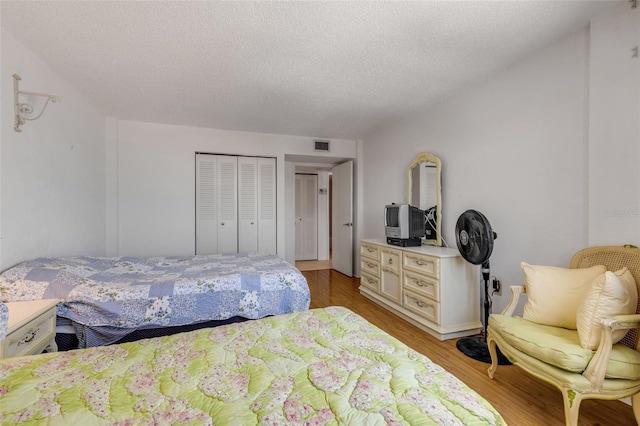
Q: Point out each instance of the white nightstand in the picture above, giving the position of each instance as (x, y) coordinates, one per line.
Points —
(32, 328)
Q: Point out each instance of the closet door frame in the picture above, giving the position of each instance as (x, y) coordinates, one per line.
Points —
(236, 204)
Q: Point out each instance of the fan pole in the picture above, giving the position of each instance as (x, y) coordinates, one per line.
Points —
(487, 299)
(476, 347)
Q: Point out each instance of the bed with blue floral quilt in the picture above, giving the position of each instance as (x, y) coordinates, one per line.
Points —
(106, 298)
(319, 367)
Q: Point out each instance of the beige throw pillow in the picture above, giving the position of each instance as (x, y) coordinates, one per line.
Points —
(610, 294)
(554, 293)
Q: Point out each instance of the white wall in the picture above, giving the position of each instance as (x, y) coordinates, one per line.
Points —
(111, 177)
(323, 216)
(77, 182)
(52, 189)
(156, 175)
(614, 145)
(289, 213)
(548, 150)
(514, 148)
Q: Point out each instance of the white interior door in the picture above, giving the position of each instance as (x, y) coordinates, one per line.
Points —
(342, 219)
(206, 205)
(247, 204)
(267, 206)
(299, 237)
(235, 204)
(227, 203)
(306, 217)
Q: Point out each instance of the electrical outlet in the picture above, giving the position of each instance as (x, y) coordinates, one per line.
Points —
(497, 286)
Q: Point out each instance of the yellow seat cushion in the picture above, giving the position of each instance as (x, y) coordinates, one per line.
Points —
(561, 347)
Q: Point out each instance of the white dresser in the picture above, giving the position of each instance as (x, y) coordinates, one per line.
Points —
(433, 288)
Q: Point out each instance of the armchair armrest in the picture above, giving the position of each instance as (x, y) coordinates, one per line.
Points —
(621, 322)
(516, 291)
(597, 367)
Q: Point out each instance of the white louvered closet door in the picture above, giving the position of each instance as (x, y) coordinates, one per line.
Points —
(267, 205)
(227, 189)
(206, 205)
(235, 204)
(247, 204)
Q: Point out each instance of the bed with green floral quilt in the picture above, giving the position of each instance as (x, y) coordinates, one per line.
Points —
(322, 366)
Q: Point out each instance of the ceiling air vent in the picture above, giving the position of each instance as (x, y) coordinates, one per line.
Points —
(321, 145)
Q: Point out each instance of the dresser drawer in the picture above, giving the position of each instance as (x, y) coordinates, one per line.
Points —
(422, 306)
(390, 260)
(422, 285)
(422, 263)
(370, 251)
(370, 266)
(370, 282)
(30, 337)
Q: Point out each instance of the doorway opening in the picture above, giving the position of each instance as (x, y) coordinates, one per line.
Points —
(318, 265)
(335, 221)
(313, 192)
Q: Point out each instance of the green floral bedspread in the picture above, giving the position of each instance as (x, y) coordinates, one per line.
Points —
(323, 366)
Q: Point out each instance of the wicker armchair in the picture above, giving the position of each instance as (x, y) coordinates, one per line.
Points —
(594, 381)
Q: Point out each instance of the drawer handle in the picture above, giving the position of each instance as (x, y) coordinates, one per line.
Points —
(420, 283)
(29, 337)
(418, 302)
(370, 250)
(390, 261)
(419, 262)
(371, 265)
(370, 281)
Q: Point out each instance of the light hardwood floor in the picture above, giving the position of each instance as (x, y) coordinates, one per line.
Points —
(521, 399)
(313, 265)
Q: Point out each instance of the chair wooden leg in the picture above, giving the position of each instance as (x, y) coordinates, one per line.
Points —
(571, 406)
(491, 343)
(635, 403)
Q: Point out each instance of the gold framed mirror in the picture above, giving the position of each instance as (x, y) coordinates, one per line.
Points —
(424, 192)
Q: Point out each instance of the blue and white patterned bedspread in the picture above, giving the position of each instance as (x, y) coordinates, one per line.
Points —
(130, 293)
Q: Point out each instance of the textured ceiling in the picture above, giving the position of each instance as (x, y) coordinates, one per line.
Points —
(323, 69)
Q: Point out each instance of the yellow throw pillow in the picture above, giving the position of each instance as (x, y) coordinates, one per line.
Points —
(554, 293)
(610, 294)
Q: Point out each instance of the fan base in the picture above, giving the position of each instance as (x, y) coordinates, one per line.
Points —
(476, 348)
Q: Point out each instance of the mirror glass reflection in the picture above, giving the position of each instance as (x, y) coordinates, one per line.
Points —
(425, 193)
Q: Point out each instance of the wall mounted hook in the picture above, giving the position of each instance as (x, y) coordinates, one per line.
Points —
(24, 111)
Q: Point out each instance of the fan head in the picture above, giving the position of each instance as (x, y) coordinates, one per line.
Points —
(474, 237)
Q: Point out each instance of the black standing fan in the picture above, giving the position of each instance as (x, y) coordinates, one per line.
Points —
(475, 237)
